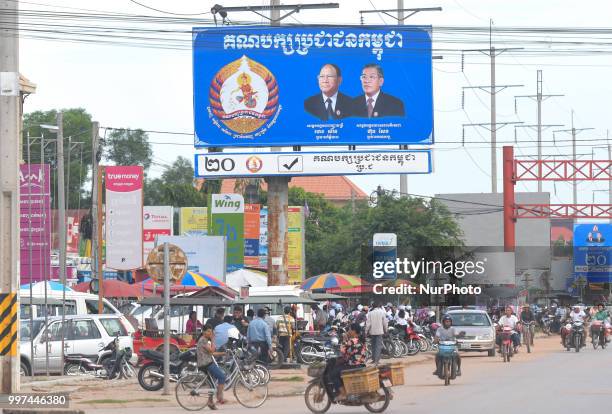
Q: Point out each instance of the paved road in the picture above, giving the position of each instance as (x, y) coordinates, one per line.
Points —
(550, 380)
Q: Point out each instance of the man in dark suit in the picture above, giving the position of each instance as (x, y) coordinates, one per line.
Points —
(374, 103)
(330, 104)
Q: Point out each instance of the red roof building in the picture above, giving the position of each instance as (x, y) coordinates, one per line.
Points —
(337, 189)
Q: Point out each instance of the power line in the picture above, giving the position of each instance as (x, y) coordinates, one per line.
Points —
(167, 12)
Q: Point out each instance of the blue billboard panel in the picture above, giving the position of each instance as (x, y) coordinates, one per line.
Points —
(315, 85)
(593, 252)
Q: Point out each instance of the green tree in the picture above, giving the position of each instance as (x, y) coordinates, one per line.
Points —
(180, 172)
(129, 147)
(77, 157)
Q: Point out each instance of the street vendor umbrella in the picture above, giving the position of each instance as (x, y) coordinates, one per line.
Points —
(116, 289)
(399, 283)
(39, 287)
(200, 280)
(333, 280)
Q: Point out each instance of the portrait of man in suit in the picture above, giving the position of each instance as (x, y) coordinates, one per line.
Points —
(374, 103)
(330, 103)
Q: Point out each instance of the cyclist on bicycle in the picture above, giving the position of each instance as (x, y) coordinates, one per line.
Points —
(206, 352)
(527, 317)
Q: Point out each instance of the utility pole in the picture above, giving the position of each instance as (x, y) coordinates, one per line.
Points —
(401, 18)
(539, 97)
(493, 89)
(61, 213)
(574, 131)
(97, 271)
(10, 120)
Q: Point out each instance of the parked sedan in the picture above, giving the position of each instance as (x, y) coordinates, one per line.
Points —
(479, 330)
(83, 334)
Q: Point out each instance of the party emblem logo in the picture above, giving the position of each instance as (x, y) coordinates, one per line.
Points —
(244, 99)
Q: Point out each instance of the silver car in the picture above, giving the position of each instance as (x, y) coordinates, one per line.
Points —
(84, 334)
(479, 330)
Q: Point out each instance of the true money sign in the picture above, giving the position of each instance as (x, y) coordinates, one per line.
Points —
(226, 218)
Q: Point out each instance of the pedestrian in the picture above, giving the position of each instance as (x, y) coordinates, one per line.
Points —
(218, 318)
(376, 327)
(259, 335)
(193, 324)
(250, 315)
(222, 331)
(240, 321)
(270, 321)
(285, 326)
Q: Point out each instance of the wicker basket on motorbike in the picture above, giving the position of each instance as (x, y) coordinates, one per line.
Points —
(316, 370)
(361, 380)
(395, 372)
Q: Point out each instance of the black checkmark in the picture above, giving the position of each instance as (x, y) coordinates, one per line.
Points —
(292, 164)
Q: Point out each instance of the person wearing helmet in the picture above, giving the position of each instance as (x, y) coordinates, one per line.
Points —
(509, 319)
(447, 332)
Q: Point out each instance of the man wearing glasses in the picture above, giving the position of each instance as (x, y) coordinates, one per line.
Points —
(330, 104)
(374, 103)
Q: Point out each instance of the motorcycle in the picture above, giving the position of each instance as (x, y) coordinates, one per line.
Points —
(76, 364)
(151, 373)
(506, 348)
(573, 335)
(447, 350)
(320, 394)
(598, 334)
(545, 323)
(312, 349)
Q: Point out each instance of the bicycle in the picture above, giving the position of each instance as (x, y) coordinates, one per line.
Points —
(528, 333)
(196, 390)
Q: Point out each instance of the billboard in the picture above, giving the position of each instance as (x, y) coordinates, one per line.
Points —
(124, 217)
(593, 252)
(211, 165)
(312, 85)
(263, 237)
(384, 250)
(205, 254)
(226, 218)
(193, 221)
(156, 221)
(295, 246)
(252, 228)
(35, 221)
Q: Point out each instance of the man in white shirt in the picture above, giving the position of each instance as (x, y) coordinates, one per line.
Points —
(376, 327)
(509, 319)
(577, 315)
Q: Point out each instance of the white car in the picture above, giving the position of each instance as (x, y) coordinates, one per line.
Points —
(84, 334)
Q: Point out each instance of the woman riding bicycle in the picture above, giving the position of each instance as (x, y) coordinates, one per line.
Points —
(206, 351)
(352, 355)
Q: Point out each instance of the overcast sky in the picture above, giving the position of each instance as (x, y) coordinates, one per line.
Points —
(152, 88)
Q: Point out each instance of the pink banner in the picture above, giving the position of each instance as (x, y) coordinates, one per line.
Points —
(35, 222)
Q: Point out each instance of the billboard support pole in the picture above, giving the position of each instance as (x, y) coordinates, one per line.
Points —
(278, 203)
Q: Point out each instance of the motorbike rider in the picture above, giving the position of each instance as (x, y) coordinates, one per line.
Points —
(509, 319)
(447, 333)
(577, 315)
(352, 355)
(602, 315)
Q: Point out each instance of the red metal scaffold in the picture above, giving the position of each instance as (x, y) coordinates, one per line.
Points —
(534, 170)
